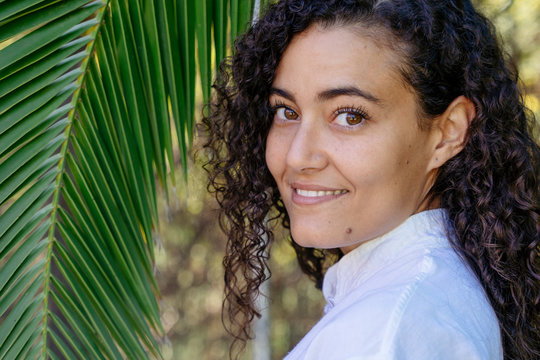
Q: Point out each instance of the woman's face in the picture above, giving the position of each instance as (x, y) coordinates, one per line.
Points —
(345, 148)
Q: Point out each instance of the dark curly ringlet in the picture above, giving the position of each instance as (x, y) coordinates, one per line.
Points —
(490, 188)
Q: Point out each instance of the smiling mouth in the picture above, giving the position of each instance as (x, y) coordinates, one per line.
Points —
(313, 197)
(312, 193)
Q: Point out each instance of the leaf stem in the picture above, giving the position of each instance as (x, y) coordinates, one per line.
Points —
(61, 166)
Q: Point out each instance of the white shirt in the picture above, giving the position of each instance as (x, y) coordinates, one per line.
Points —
(403, 295)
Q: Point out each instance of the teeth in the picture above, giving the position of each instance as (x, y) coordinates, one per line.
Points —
(309, 193)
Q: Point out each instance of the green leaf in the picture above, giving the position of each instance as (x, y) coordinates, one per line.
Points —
(89, 94)
(34, 19)
(45, 34)
(38, 83)
(20, 256)
(10, 8)
(203, 13)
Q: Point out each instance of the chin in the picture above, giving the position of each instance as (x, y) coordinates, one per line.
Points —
(310, 239)
(302, 238)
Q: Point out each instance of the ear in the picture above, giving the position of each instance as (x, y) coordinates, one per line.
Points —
(451, 128)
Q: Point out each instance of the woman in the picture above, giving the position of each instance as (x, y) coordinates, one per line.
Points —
(390, 137)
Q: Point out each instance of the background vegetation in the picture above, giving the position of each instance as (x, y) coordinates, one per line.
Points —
(96, 108)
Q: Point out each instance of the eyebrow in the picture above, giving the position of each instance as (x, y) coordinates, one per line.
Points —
(347, 91)
(331, 93)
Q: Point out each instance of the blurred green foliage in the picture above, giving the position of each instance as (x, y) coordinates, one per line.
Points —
(189, 270)
(190, 276)
(518, 23)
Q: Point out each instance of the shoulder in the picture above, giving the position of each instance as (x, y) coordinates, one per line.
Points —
(447, 316)
(437, 311)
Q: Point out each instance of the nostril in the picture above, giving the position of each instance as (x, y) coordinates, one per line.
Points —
(306, 152)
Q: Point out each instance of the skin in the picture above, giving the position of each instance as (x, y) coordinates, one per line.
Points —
(346, 130)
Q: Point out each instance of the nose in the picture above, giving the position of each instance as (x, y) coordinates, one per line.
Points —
(306, 151)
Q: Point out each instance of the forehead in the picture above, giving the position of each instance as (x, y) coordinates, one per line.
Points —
(325, 56)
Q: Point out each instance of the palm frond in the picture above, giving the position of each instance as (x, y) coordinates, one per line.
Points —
(89, 94)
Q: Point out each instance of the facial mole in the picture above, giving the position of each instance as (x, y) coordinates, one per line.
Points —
(348, 231)
(407, 162)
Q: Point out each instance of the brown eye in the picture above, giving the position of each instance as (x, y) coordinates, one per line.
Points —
(350, 117)
(353, 119)
(285, 114)
(290, 114)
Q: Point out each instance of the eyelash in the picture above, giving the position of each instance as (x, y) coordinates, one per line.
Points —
(356, 110)
(278, 104)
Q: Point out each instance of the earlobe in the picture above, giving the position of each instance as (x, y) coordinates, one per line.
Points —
(452, 127)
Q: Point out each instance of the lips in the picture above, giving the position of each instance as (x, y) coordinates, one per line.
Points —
(314, 194)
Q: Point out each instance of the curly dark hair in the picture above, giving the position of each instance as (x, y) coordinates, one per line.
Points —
(489, 189)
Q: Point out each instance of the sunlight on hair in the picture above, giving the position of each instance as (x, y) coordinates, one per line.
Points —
(532, 102)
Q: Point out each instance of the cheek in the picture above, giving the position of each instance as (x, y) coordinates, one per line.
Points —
(275, 155)
(361, 162)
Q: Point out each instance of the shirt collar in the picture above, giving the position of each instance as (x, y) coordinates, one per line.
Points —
(419, 232)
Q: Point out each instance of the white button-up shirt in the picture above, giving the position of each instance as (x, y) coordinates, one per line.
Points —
(404, 295)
